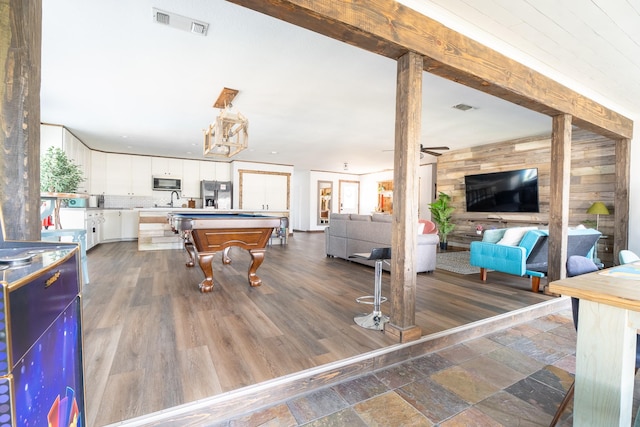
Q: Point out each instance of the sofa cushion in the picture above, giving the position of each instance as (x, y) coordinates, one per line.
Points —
(378, 217)
(355, 217)
(339, 216)
(513, 236)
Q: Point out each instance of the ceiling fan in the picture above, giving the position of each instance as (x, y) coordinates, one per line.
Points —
(430, 150)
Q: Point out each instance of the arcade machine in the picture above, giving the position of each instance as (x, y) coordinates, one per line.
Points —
(41, 367)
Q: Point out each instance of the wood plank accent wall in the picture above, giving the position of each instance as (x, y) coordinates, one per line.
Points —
(592, 179)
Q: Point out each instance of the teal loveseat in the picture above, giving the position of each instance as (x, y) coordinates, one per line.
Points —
(524, 251)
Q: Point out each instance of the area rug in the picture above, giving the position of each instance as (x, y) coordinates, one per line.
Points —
(456, 262)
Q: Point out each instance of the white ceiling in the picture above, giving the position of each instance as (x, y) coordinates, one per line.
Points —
(122, 83)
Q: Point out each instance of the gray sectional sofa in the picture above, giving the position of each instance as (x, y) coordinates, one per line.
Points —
(348, 234)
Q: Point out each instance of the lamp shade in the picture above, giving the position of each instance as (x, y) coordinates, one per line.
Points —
(598, 208)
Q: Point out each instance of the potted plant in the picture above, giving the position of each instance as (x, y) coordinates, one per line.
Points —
(58, 174)
(441, 215)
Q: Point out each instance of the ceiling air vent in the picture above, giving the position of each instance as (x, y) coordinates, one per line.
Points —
(462, 107)
(199, 28)
(161, 17)
(180, 22)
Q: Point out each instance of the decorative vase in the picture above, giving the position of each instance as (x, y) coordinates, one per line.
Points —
(443, 246)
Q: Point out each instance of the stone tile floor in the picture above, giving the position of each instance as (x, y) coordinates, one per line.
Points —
(516, 376)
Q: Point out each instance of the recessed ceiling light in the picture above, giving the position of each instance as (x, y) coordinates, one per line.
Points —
(274, 152)
(463, 107)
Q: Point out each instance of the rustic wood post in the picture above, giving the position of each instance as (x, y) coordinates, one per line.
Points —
(559, 189)
(621, 198)
(20, 52)
(405, 204)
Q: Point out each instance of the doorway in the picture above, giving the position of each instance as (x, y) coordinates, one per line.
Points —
(324, 201)
(349, 197)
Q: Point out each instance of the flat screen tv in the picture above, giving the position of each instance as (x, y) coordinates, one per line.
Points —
(509, 191)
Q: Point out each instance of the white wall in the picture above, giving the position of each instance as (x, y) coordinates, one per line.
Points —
(308, 182)
(427, 176)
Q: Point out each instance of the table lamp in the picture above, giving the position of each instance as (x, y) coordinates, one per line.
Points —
(597, 209)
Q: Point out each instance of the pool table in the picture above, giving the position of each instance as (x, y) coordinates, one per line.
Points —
(204, 234)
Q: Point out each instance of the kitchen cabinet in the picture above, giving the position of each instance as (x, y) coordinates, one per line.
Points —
(60, 137)
(112, 226)
(161, 166)
(264, 190)
(191, 179)
(93, 224)
(80, 154)
(215, 171)
(141, 179)
(129, 224)
(88, 219)
(98, 172)
(128, 175)
(120, 224)
(102, 225)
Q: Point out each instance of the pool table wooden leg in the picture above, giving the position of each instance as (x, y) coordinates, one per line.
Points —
(257, 256)
(225, 255)
(205, 262)
(188, 246)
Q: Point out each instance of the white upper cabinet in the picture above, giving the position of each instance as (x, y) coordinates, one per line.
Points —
(215, 171)
(191, 178)
(161, 166)
(141, 177)
(128, 175)
(98, 172)
(80, 154)
(208, 171)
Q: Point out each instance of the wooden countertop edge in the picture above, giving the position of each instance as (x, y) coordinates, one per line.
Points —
(615, 299)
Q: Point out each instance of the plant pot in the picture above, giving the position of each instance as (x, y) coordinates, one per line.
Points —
(443, 246)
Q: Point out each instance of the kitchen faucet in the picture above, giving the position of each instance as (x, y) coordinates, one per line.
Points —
(177, 197)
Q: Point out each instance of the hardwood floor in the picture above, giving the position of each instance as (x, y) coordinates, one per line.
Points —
(153, 341)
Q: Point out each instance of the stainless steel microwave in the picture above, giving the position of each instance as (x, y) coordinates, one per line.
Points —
(167, 183)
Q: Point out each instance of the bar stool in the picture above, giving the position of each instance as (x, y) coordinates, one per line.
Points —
(375, 320)
(281, 232)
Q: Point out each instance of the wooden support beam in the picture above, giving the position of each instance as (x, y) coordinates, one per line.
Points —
(20, 51)
(621, 197)
(559, 189)
(405, 204)
(391, 29)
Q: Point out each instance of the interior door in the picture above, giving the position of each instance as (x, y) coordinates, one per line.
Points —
(349, 197)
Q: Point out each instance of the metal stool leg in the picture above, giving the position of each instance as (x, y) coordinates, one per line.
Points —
(376, 319)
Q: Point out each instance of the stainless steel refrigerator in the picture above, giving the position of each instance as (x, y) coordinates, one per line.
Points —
(217, 194)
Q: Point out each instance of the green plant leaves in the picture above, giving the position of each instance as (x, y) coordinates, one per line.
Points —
(58, 173)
